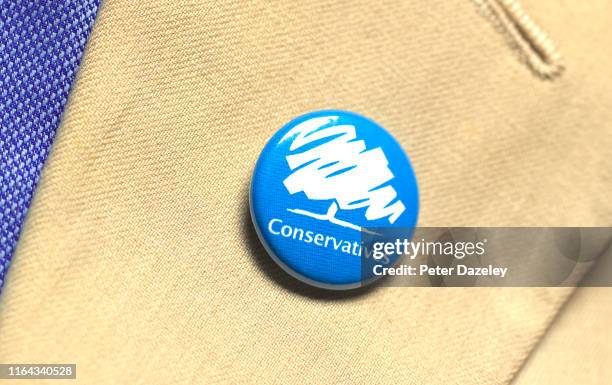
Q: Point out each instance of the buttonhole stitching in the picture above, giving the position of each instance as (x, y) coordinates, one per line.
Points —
(533, 46)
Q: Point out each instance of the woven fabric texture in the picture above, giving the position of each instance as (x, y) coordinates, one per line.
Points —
(41, 43)
(577, 348)
(138, 261)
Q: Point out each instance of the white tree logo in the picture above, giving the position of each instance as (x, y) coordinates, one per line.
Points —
(340, 169)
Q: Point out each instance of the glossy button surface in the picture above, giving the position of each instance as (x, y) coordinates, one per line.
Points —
(320, 182)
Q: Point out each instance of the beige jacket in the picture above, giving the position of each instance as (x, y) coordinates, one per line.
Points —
(138, 261)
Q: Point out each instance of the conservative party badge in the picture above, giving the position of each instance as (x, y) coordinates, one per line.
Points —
(323, 183)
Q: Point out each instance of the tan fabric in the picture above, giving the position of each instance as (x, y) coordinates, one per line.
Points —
(138, 261)
(577, 348)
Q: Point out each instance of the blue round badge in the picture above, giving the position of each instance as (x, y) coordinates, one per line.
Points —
(322, 183)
